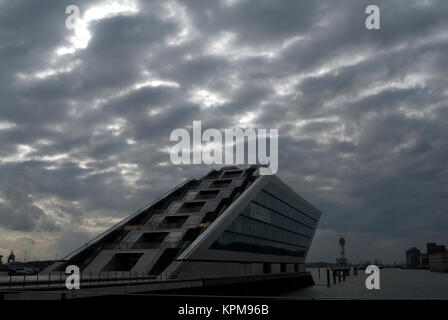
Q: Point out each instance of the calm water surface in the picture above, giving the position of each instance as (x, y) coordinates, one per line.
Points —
(394, 284)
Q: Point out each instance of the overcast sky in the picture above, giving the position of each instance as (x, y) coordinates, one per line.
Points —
(86, 114)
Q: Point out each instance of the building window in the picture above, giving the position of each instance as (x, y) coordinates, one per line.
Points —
(207, 194)
(282, 267)
(266, 267)
(220, 183)
(296, 267)
(122, 262)
(172, 222)
(232, 174)
(190, 207)
(213, 175)
(245, 268)
(259, 212)
(237, 242)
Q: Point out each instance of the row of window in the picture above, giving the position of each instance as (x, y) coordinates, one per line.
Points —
(258, 212)
(251, 227)
(246, 267)
(270, 202)
(237, 242)
(267, 267)
(292, 200)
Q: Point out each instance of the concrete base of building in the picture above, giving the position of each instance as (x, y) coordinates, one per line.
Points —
(250, 286)
(260, 285)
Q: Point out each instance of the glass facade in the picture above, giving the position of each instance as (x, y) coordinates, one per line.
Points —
(275, 204)
(293, 200)
(273, 223)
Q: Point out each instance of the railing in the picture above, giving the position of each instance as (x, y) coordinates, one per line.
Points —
(144, 245)
(57, 280)
(163, 225)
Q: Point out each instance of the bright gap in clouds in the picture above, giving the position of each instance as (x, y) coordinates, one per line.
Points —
(225, 44)
(247, 119)
(178, 13)
(81, 34)
(43, 74)
(207, 99)
(6, 125)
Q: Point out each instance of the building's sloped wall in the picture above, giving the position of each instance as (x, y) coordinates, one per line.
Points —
(152, 239)
(268, 230)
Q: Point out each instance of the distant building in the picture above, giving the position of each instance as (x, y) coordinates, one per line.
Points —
(434, 248)
(437, 257)
(413, 258)
(11, 258)
(425, 260)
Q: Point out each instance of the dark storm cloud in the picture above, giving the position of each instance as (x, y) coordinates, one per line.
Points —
(361, 114)
(266, 22)
(19, 213)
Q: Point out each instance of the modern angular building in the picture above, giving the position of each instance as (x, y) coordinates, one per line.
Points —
(437, 257)
(233, 222)
(413, 259)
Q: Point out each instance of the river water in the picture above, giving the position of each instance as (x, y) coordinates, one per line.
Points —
(394, 284)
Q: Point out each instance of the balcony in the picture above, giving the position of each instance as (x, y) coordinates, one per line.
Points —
(168, 222)
(144, 245)
(163, 225)
(191, 207)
